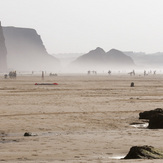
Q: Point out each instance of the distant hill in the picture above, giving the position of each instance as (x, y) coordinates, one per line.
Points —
(144, 60)
(26, 50)
(99, 59)
(117, 58)
(3, 52)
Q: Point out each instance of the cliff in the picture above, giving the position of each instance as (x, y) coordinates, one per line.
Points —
(3, 52)
(98, 59)
(26, 51)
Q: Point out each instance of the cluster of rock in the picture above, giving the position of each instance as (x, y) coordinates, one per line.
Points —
(155, 118)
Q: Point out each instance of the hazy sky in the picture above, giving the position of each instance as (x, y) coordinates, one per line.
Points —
(82, 25)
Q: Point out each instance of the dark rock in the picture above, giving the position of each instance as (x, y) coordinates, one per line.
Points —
(149, 114)
(3, 52)
(132, 84)
(156, 121)
(144, 152)
(29, 134)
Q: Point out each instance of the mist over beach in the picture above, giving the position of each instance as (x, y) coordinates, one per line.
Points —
(81, 81)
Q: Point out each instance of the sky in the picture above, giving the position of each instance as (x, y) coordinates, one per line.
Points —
(78, 26)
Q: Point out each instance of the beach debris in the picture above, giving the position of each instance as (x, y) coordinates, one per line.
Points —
(149, 114)
(46, 83)
(29, 134)
(132, 84)
(144, 152)
(156, 121)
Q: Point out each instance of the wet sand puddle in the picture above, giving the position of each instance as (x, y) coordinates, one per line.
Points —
(140, 125)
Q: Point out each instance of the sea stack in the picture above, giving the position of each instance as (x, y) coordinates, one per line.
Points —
(3, 52)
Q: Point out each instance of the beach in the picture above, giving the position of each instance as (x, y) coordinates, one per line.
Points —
(85, 118)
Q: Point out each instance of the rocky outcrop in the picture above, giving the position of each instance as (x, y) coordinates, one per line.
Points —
(149, 114)
(99, 59)
(3, 52)
(26, 50)
(144, 152)
(155, 118)
(156, 121)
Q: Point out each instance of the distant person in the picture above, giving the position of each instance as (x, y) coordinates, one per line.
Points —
(154, 72)
(133, 72)
(109, 72)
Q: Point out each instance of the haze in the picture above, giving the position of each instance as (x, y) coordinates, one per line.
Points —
(77, 26)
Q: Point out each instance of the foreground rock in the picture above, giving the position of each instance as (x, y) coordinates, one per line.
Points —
(144, 152)
(149, 114)
(29, 134)
(156, 122)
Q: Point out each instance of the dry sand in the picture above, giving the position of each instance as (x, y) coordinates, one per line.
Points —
(83, 119)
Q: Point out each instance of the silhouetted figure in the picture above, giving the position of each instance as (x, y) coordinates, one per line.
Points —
(109, 72)
(130, 73)
(133, 72)
(42, 74)
(51, 74)
(12, 74)
(154, 72)
(5, 76)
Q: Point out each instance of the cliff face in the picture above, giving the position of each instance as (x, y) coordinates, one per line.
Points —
(26, 50)
(3, 52)
(98, 59)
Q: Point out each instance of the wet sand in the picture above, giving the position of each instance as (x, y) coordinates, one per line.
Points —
(83, 119)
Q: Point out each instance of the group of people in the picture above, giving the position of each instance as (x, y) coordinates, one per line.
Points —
(12, 75)
(93, 72)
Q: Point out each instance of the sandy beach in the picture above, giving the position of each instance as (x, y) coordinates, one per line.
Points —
(85, 118)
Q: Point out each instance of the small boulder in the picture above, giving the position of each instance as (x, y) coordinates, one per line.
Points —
(132, 84)
(29, 134)
(144, 152)
(156, 122)
(149, 114)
